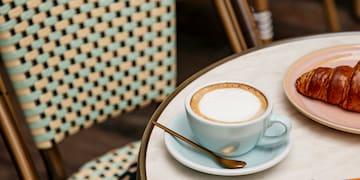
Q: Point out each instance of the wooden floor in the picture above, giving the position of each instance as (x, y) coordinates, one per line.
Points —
(201, 41)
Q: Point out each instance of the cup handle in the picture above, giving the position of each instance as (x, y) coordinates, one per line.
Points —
(277, 131)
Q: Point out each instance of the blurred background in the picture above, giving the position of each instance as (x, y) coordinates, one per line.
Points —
(201, 41)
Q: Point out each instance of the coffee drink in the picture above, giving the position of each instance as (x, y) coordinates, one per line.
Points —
(228, 102)
(230, 118)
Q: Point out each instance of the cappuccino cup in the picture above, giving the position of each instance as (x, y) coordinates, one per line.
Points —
(231, 118)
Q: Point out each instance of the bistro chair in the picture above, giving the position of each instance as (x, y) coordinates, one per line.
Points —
(68, 65)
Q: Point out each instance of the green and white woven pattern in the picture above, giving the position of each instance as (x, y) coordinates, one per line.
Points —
(116, 164)
(75, 63)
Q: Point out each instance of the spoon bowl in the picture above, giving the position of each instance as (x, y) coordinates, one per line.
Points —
(230, 163)
(226, 163)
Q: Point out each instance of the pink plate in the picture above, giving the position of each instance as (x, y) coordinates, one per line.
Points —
(326, 114)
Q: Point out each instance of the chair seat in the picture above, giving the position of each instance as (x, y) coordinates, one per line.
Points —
(119, 163)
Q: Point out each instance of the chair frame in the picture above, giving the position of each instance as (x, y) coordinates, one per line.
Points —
(14, 138)
(357, 8)
(331, 15)
(231, 25)
(239, 24)
(246, 20)
(12, 133)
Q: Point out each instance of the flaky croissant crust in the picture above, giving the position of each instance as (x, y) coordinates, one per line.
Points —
(339, 86)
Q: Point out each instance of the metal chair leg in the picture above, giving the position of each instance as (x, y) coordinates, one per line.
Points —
(231, 26)
(357, 8)
(246, 20)
(12, 135)
(331, 15)
(18, 151)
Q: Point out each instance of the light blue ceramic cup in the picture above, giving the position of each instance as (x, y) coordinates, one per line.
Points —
(233, 139)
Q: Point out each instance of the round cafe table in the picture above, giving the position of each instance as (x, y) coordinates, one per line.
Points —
(317, 151)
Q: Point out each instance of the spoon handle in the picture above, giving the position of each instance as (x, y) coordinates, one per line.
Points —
(184, 139)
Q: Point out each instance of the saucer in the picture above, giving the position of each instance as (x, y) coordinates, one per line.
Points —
(257, 160)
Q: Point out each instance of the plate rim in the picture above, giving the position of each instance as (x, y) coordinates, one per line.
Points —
(301, 109)
(225, 172)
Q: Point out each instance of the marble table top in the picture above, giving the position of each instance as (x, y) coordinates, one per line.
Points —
(317, 152)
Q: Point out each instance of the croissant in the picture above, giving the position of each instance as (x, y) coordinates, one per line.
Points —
(339, 86)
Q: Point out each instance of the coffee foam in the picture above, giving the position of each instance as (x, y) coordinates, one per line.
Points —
(228, 102)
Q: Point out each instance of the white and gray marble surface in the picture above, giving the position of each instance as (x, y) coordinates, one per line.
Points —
(318, 152)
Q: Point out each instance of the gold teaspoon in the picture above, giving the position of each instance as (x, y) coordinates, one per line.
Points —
(227, 163)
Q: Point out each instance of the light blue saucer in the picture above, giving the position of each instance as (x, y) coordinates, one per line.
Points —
(257, 159)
